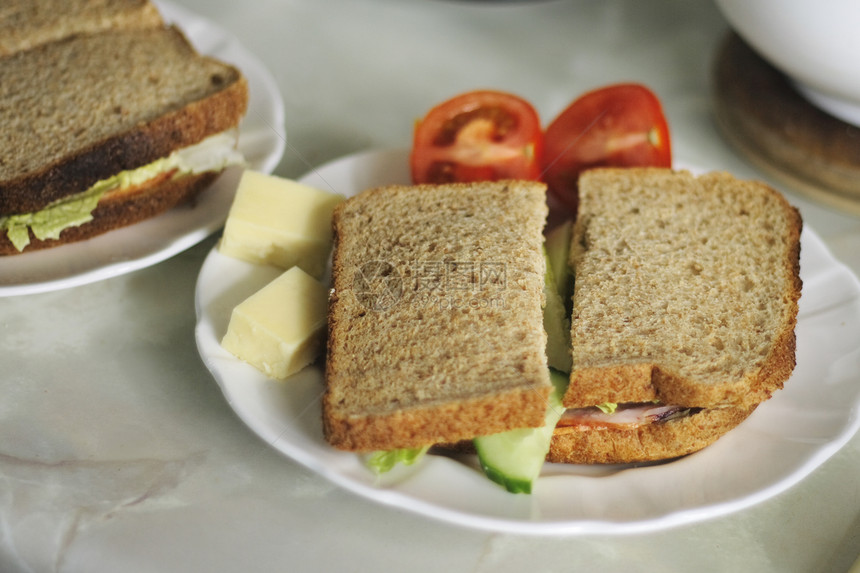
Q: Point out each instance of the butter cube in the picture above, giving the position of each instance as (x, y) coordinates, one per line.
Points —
(280, 222)
(279, 329)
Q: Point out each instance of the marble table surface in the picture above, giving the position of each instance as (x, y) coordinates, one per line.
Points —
(118, 452)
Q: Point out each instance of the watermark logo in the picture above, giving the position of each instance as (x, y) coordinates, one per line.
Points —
(463, 276)
(378, 285)
(441, 284)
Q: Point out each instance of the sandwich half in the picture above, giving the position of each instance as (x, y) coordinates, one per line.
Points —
(684, 307)
(104, 130)
(435, 330)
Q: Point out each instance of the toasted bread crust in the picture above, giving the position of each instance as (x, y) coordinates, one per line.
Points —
(637, 378)
(444, 422)
(122, 210)
(650, 382)
(129, 148)
(650, 442)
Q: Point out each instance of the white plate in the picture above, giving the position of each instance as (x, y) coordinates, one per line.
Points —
(261, 140)
(782, 442)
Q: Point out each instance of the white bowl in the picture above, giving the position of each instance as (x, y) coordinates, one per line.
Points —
(814, 43)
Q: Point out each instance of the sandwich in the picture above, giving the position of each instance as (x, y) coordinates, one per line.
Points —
(107, 129)
(25, 24)
(684, 307)
(435, 331)
(682, 319)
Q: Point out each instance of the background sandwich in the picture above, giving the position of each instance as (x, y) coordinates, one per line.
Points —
(106, 129)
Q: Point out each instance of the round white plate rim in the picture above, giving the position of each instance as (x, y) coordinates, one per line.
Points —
(586, 526)
(265, 112)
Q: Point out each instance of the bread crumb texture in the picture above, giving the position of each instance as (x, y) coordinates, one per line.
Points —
(435, 321)
(686, 289)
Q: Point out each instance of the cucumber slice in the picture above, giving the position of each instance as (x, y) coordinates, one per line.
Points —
(556, 323)
(514, 459)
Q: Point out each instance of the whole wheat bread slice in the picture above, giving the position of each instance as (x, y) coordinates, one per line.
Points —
(686, 289)
(435, 319)
(85, 108)
(25, 24)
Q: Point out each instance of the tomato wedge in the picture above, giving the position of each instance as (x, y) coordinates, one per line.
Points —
(478, 136)
(620, 125)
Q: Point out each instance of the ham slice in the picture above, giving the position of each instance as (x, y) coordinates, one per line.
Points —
(625, 416)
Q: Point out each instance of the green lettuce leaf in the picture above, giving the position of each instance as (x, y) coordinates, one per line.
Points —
(608, 407)
(384, 461)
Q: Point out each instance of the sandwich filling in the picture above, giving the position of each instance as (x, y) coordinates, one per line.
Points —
(212, 154)
(623, 415)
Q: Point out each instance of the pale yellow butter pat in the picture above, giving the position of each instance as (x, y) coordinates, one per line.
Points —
(280, 222)
(279, 329)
